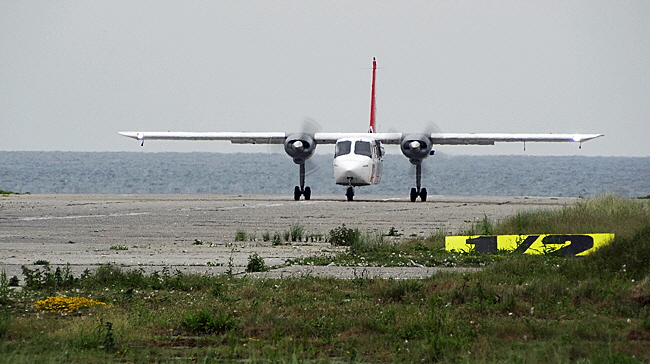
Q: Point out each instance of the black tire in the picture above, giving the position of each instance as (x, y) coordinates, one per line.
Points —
(350, 194)
(414, 194)
(307, 193)
(423, 195)
(296, 193)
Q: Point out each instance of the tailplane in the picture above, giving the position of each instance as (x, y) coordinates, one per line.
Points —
(373, 108)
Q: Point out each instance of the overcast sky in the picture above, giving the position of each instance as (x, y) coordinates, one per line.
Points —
(74, 73)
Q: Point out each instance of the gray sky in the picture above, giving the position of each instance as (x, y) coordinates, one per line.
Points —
(74, 73)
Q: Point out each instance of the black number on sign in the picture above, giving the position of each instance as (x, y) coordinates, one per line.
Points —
(484, 244)
(521, 249)
(579, 243)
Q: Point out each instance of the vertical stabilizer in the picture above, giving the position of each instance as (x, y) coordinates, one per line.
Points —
(373, 108)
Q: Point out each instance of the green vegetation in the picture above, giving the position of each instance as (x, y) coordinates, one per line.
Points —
(119, 247)
(2, 192)
(344, 236)
(518, 309)
(256, 264)
(241, 235)
(295, 234)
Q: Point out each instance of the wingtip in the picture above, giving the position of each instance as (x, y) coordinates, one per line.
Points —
(130, 134)
(584, 138)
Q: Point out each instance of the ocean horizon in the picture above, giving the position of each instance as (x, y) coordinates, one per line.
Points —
(264, 173)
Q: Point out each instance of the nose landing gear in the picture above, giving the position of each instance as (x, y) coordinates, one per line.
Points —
(418, 191)
(349, 193)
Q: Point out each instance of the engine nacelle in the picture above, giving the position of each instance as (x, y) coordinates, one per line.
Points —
(416, 147)
(300, 147)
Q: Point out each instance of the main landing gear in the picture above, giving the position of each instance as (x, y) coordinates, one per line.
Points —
(302, 190)
(418, 191)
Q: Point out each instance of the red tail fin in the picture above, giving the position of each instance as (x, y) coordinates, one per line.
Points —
(373, 108)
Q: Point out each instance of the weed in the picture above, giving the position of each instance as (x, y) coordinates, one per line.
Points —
(204, 322)
(393, 232)
(256, 264)
(14, 281)
(109, 339)
(198, 242)
(314, 237)
(42, 262)
(344, 236)
(119, 247)
(296, 233)
(5, 291)
(231, 264)
(266, 236)
(241, 235)
(482, 227)
(37, 279)
(218, 289)
(400, 291)
(277, 239)
(6, 321)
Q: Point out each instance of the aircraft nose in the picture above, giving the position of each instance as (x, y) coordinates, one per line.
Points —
(345, 170)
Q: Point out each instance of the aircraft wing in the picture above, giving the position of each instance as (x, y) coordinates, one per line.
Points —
(490, 139)
(459, 138)
(233, 137)
(387, 138)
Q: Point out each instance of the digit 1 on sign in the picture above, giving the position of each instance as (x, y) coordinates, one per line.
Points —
(484, 244)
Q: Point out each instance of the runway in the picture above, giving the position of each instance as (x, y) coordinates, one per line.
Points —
(159, 231)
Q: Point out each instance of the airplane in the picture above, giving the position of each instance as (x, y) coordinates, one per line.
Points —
(358, 157)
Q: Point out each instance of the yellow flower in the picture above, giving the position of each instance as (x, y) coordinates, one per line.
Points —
(65, 304)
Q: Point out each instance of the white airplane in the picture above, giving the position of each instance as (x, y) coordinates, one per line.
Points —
(358, 156)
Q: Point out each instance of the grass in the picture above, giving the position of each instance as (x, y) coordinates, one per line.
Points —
(518, 309)
(295, 234)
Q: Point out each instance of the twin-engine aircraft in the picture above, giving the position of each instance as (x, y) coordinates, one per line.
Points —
(358, 156)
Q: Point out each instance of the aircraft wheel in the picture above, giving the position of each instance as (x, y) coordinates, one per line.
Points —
(296, 193)
(423, 195)
(350, 193)
(307, 193)
(414, 194)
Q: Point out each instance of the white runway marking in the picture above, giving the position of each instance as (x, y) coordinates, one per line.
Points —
(79, 216)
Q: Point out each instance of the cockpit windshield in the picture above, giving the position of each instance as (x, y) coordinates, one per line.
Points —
(362, 148)
(342, 148)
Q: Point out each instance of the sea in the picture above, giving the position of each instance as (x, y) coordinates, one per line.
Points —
(270, 173)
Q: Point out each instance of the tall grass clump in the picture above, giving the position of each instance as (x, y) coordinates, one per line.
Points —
(628, 256)
(207, 323)
(604, 214)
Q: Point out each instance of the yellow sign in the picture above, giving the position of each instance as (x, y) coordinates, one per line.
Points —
(567, 245)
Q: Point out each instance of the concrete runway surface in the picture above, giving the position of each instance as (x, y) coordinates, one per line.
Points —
(160, 230)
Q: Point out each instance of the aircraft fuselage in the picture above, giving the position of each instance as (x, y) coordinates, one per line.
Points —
(357, 162)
